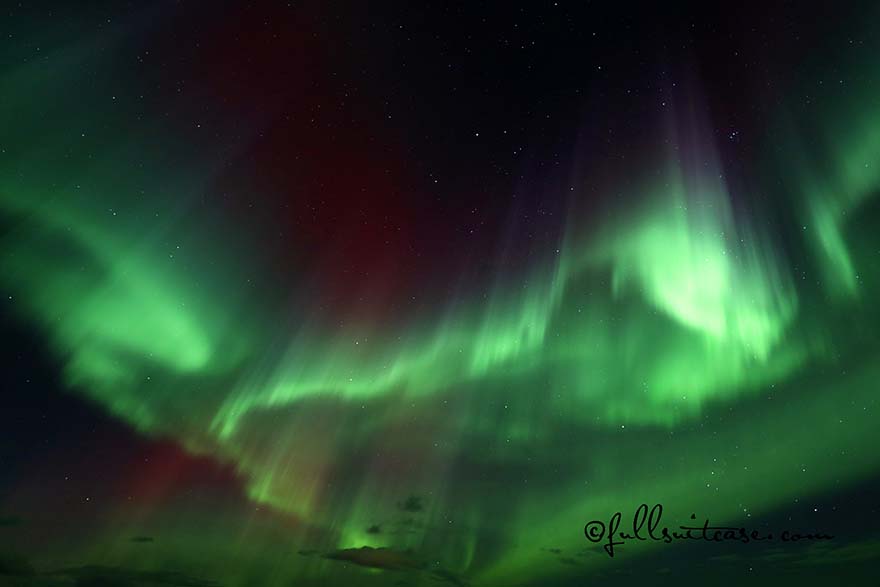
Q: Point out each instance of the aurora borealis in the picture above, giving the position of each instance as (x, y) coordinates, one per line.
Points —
(315, 294)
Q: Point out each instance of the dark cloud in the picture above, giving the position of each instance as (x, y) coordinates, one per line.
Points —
(413, 504)
(142, 539)
(393, 560)
(377, 558)
(374, 529)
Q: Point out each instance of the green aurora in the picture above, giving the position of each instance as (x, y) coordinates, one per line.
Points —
(583, 382)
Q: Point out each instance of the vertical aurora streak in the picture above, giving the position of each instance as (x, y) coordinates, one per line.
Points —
(688, 336)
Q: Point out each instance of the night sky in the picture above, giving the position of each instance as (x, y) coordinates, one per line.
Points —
(403, 293)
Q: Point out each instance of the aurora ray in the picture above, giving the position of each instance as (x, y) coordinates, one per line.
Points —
(471, 431)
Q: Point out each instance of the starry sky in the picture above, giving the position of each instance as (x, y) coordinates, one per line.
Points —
(325, 293)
